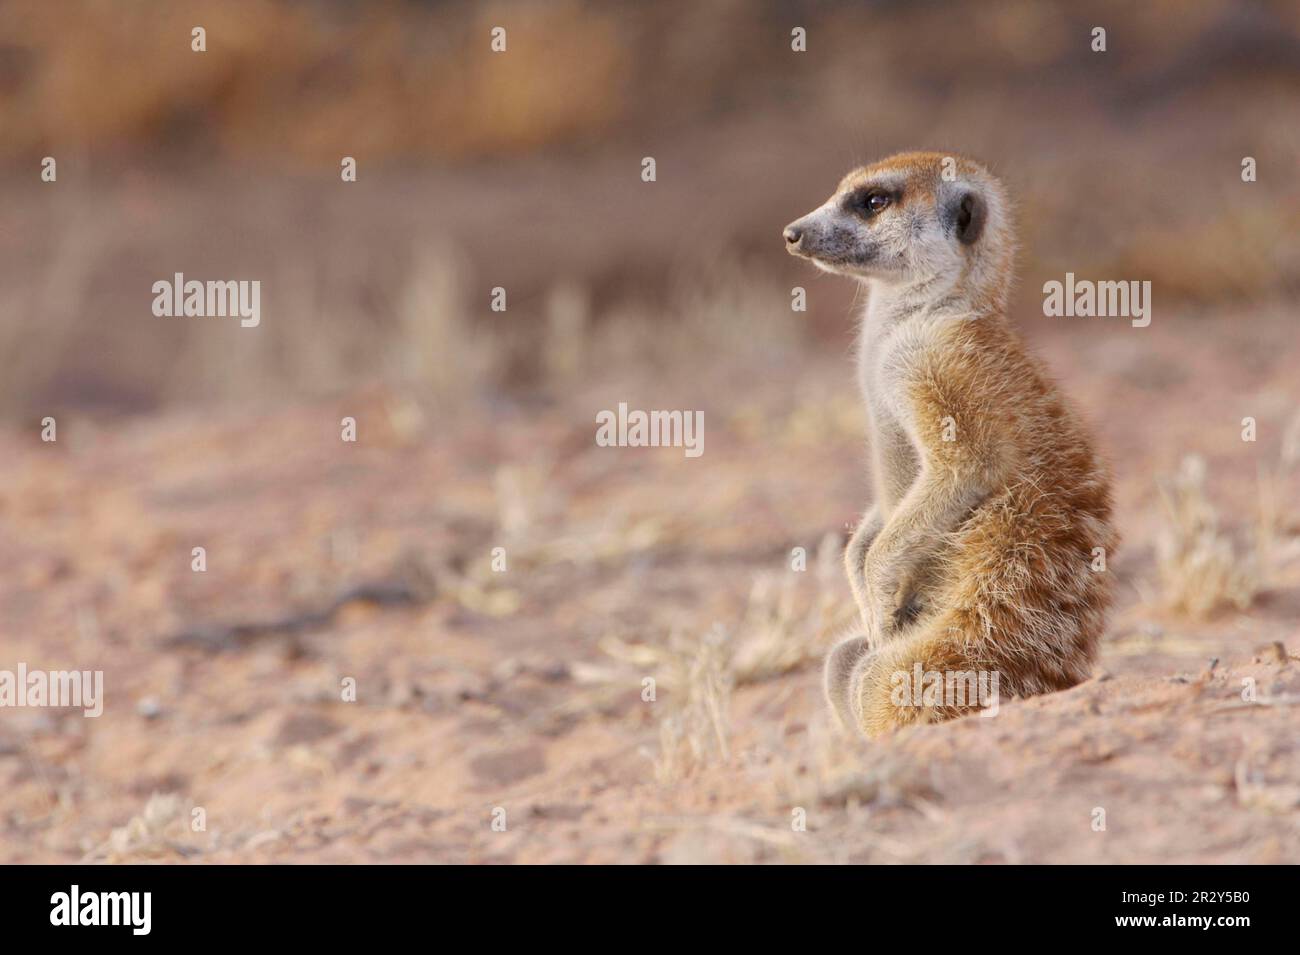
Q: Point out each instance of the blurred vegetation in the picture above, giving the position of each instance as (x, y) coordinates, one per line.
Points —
(302, 80)
(521, 169)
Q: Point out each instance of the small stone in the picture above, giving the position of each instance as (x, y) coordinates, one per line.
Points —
(149, 708)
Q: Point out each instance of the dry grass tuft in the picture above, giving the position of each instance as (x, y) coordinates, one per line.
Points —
(780, 632)
(1201, 570)
(696, 733)
(149, 834)
(436, 345)
(715, 307)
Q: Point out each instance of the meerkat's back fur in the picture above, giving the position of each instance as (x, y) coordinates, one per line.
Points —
(984, 549)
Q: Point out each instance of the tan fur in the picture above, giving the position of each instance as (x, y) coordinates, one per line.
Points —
(978, 552)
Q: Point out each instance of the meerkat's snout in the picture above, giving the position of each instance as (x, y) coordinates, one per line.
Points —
(828, 240)
(806, 235)
(803, 237)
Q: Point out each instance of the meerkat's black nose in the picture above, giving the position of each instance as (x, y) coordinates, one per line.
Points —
(792, 235)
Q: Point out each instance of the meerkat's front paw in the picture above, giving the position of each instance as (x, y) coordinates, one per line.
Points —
(906, 613)
(882, 609)
(855, 557)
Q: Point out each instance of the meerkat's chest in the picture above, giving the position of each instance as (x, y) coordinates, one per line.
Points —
(893, 459)
(878, 355)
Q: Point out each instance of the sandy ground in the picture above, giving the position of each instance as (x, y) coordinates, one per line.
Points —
(516, 697)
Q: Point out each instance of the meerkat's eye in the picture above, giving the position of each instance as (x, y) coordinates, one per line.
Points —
(870, 201)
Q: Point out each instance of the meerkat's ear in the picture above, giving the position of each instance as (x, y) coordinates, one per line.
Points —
(966, 213)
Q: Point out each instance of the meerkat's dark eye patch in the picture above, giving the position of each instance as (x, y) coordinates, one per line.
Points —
(869, 201)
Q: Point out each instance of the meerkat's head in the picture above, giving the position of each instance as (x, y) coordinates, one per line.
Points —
(914, 218)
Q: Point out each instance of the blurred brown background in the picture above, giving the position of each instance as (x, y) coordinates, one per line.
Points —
(520, 687)
(521, 170)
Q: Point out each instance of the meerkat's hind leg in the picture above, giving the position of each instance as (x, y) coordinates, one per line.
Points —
(882, 693)
(841, 663)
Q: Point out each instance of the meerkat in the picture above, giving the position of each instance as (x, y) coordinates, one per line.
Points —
(985, 546)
